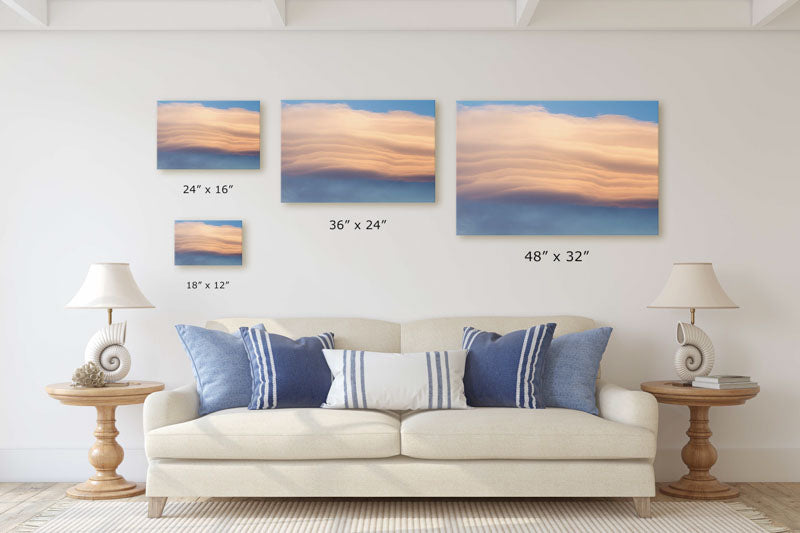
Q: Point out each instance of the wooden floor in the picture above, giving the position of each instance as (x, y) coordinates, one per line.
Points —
(21, 501)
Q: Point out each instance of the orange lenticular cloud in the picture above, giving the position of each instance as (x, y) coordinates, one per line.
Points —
(193, 126)
(526, 151)
(201, 237)
(320, 138)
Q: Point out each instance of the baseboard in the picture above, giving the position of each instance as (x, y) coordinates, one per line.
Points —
(738, 464)
(63, 464)
(71, 464)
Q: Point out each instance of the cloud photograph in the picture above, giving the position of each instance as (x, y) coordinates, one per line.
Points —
(557, 168)
(209, 134)
(208, 242)
(358, 151)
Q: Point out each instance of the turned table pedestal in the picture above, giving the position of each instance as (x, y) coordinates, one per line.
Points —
(106, 454)
(698, 454)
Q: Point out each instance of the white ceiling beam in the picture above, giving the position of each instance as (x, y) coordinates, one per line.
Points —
(525, 10)
(34, 11)
(341, 15)
(278, 10)
(765, 11)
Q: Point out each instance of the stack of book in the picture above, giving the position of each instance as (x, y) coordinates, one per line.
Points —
(723, 382)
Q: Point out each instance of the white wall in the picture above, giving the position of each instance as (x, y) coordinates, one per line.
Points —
(79, 184)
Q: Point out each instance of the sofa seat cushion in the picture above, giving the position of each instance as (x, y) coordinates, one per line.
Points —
(509, 433)
(279, 434)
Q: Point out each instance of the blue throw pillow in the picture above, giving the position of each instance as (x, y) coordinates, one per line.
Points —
(571, 367)
(506, 371)
(286, 372)
(220, 365)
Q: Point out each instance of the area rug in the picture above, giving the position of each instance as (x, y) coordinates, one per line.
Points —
(310, 515)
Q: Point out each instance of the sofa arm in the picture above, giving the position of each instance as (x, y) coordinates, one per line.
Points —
(171, 407)
(635, 408)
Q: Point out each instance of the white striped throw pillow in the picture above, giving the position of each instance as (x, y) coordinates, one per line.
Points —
(396, 381)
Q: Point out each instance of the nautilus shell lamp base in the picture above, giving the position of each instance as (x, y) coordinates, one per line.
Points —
(107, 350)
(695, 355)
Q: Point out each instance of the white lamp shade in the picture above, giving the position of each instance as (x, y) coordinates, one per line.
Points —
(693, 285)
(109, 286)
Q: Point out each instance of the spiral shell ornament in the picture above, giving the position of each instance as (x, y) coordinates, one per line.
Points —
(106, 350)
(695, 357)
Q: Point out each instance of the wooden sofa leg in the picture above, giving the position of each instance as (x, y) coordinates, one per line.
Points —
(155, 506)
(642, 506)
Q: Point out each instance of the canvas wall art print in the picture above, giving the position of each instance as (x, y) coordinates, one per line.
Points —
(209, 134)
(557, 168)
(208, 242)
(358, 150)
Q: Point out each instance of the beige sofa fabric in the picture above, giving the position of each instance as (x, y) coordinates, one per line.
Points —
(446, 333)
(510, 433)
(279, 434)
(349, 333)
(171, 407)
(634, 407)
(399, 477)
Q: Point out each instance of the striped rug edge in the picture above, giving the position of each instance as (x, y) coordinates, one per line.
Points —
(54, 511)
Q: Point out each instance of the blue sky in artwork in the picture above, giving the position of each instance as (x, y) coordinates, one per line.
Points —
(313, 189)
(646, 110)
(250, 105)
(234, 223)
(420, 107)
(499, 217)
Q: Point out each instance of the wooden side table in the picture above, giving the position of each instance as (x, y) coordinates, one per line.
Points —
(106, 454)
(698, 454)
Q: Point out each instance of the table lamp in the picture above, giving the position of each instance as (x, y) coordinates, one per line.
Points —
(693, 286)
(109, 286)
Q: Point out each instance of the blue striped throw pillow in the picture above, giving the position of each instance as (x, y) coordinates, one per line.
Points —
(286, 372)
(396, 381)
(506, 370)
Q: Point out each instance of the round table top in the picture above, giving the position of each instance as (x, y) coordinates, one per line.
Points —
(674, 392)
(112, 394)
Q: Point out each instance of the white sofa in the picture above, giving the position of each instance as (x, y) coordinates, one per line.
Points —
(481, 452)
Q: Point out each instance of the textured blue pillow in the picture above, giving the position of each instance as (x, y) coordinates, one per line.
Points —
(506, 371)
(286, 372)
(220, 365)
(570, 369)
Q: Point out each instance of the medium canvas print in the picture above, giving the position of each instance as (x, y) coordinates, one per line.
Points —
(557, 168)
(208, 242)
(358, 151)
(209, 134)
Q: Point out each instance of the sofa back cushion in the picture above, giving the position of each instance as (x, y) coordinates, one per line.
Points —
(447, 333)
(351, 333)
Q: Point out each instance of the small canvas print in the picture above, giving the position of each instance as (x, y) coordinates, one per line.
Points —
(358, 151)
(209, 134)
(208, 242)
(557, 168)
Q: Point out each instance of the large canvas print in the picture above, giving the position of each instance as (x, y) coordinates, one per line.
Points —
(557, 168)
(208, 242)
(358, 151)
(209, 134)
